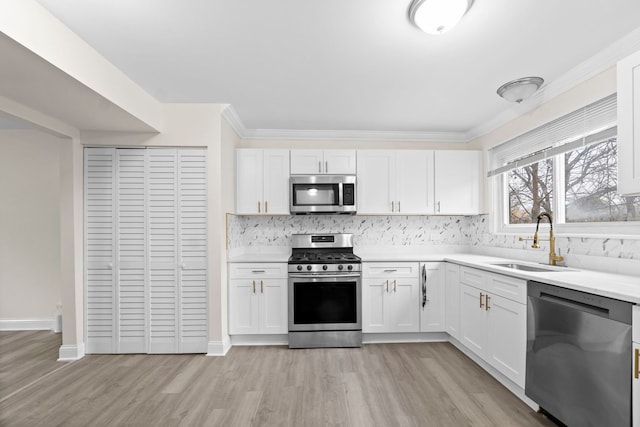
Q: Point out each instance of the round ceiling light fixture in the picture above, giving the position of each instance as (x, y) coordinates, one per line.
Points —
(520, 89)
(437, 16)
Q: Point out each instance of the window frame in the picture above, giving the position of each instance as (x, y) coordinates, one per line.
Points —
(500, 203)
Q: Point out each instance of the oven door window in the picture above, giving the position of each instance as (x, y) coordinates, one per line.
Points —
(324, 303)
(316, 195)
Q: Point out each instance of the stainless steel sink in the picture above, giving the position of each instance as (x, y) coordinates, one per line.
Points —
(528, 267)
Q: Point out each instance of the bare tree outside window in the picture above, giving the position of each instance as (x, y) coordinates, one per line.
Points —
(530, 191)
(591, 186)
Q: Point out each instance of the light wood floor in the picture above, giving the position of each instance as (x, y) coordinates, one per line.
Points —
(429, 384)
(26, 356)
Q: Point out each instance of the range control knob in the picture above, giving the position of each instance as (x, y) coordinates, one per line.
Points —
(324, 267)
(299, 268)
(309, 267)
(350, 267)
(340, 267)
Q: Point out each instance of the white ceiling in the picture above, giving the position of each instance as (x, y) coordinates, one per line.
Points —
(352, 65)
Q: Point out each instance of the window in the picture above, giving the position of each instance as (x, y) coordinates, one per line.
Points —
(567, 168)
(530, 191)
(590, 186)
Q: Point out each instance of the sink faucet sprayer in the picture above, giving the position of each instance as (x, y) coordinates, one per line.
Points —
(553, 258)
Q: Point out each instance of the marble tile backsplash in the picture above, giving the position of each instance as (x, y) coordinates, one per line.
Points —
(367, 230)
(472, 231)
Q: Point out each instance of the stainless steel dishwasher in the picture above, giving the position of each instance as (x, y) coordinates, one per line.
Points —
(579, 356)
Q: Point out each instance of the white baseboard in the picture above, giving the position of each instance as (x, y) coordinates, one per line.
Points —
(266, 339)
(46, 324)
(219, 348)
(70, 352)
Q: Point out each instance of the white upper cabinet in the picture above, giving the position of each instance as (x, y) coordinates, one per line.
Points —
(414, 182)
(457, 176)
(314, 162)
(376, 181)
(629, 125)
(395, 182)
(262, 180)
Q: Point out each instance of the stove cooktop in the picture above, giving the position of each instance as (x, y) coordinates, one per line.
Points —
(323, 258)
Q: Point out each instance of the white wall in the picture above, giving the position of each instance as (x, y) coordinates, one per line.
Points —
(30, 276)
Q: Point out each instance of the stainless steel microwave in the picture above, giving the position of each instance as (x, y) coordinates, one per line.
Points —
(322, 194)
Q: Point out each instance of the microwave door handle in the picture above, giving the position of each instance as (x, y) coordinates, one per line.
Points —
(340, 194)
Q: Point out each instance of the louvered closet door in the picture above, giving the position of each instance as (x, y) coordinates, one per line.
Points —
(192, 250)
(162, 199)
(130, 251)
(177, 236)
(99, 251)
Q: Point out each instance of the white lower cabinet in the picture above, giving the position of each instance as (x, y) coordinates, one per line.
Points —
(635, 360)
(635, 393)
(432, 306)
(258, 299)
(493, 320)
(452, 300)
(390, 297)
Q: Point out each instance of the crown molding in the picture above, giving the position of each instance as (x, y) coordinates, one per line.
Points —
(230, 113)
(355, 135)
(232, 117)
(593, 66)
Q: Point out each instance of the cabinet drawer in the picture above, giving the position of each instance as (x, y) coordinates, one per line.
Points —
(389, 269)
(507, 287)
(636, 323)
(257, 270)
(473, 277)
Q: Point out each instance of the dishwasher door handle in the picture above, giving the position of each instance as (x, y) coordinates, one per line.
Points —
(576, 305)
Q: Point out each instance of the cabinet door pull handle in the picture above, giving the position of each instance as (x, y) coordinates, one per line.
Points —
(266, 207)
(392, 206)
(481, 303)
(319, 166)
(424, 286)
(387, 286)
(326, 167)
(257, 271)
(637, 364)
(258, 207)
(438, 207)
(398, 205)
(390, 271)
(261, 287)
(486, 305)
(394, 286)
(254, 286)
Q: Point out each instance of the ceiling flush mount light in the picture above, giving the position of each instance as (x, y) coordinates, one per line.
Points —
(437, 16)
(520, 89)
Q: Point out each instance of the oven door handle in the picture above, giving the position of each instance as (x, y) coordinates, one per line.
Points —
(320, 276)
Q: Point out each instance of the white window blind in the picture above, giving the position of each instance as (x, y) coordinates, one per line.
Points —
(590, 124)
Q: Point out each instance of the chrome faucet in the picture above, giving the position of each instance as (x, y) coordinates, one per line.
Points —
(553, 258)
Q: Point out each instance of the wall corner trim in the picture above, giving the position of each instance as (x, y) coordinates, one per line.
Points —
(219, 348)
(70, 352)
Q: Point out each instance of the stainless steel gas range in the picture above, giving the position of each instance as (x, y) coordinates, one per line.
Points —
(325, 292)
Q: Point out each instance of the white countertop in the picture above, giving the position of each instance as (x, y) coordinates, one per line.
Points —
(623, 287)
(626, 288)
